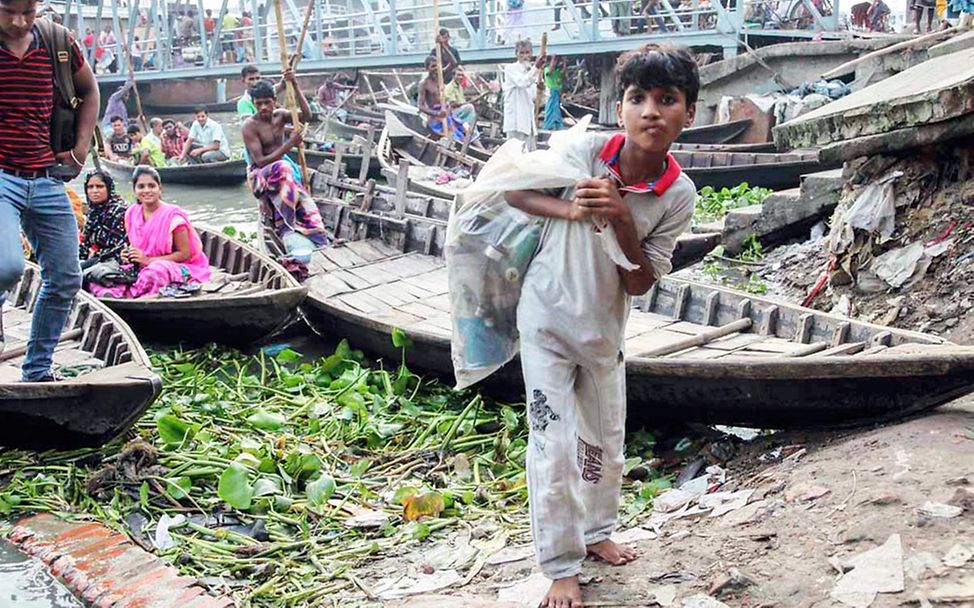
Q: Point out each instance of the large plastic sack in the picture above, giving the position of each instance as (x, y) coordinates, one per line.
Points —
(490, 245)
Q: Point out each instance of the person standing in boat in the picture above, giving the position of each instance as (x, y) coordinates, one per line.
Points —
(574, 304)
(520, 88)
(275, 178)
(206, 142)
(32, 191)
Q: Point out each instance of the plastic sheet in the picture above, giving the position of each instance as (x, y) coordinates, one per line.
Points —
(490, 245)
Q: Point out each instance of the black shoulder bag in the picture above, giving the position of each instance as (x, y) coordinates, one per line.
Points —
(64, 113)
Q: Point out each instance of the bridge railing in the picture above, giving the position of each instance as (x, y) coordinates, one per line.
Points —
(163, 38)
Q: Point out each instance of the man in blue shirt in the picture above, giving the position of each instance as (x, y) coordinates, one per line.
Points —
(206, 142)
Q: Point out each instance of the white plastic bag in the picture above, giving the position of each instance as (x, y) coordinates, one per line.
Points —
(490, 244)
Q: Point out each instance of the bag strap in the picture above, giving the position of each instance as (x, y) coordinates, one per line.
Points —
(57, 40)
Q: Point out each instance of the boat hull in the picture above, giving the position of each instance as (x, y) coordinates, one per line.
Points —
(265, 305)
(838, 394)
(70, 415)
(227, 173)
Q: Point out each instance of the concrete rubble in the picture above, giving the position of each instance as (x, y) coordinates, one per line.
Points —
(929, 103)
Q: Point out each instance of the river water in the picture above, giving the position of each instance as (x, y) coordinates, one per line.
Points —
(25, 583)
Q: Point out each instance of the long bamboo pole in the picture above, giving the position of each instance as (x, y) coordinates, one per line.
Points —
(290, 98)
(439, 70)
(128, 60)
(539, 96)
(304, 32)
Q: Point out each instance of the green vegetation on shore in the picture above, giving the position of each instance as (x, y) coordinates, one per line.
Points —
(292, 473)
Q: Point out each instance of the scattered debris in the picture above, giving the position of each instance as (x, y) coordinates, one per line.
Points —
(402, 585)
(958, 556)
(526, 592)
(734, 579)
(805, 492)
(940, 510)
(703, 601)
(163, 540)
(664, 596)
(918, 565)
(878, 570)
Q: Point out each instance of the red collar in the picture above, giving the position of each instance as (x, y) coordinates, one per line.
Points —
(610, 156)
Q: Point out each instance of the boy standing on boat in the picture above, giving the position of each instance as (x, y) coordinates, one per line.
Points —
(274, 177)
(32, 193)
(574, 305)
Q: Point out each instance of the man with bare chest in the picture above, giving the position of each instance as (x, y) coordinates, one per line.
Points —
(275, 179)
(457, 115)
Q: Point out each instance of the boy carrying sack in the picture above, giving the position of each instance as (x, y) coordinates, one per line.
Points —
(574, 303)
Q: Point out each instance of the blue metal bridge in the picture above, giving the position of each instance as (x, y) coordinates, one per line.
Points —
(167, 44)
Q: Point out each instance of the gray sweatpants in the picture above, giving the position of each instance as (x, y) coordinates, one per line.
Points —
(575, 454)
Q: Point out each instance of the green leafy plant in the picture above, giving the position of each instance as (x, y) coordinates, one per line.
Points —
(713, 205)
(753, 250)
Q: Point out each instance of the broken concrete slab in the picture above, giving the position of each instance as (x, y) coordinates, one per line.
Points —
(776, 67)
(935, 91)
(786, 214)
(957, 43)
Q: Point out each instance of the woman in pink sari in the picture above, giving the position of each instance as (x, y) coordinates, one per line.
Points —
(163, 243)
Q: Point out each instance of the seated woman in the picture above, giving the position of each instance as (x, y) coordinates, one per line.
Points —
(103, 236)
(164, 245)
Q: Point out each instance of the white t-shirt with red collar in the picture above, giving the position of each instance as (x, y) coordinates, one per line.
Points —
(573, 300)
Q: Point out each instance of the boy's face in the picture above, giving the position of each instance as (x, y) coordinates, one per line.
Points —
(653, 119)
(432, 68)
(201, 118)
(136, 136)
(118, 127)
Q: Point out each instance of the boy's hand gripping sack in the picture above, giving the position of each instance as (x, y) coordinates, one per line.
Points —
(490, 245)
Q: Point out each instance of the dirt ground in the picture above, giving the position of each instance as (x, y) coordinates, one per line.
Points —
(826, 498)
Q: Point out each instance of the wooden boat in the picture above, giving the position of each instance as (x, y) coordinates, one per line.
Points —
(708, 167)
(768, 170)
(170, 109)
(695, 352)
(723, 133)
(402, 149)
(226, 173)
(111, 381)
(357, 154)
(249, 297)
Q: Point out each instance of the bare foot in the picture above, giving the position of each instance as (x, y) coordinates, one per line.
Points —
(611, 552)
(563, 593)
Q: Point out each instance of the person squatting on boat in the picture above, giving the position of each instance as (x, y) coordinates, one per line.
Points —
(574, 305)
(103, 236)
(439, 112)
(32, 193)
(275, 178)
(206, 142)
(164, 247)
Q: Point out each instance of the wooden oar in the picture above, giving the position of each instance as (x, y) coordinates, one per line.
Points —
(291, 97)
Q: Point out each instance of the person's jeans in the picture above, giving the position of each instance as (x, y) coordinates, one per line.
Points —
(41, 208)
